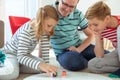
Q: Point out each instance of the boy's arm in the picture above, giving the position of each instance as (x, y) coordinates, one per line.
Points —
(99, 48)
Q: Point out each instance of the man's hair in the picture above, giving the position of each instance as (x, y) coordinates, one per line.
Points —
(98, 10)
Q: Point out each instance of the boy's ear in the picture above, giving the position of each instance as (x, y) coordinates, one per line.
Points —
(107, 18)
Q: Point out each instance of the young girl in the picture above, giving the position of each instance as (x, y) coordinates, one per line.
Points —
(107, 26)
(23, 43)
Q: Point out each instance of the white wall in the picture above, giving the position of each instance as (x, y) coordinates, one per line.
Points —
(23, 8)
(113, 4)
(28, 8)
(84, 4)
(45, 2)
(12, 7)
(2, 10)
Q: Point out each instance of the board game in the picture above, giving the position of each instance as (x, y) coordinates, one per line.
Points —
(69, 76)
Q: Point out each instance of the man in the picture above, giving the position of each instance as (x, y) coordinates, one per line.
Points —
(72, 53)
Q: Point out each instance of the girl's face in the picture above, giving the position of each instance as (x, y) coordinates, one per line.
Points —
(97, 25)
(49, 25)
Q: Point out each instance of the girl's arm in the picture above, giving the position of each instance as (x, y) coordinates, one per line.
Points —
(24, 44)
(23, 56)
(44, 48)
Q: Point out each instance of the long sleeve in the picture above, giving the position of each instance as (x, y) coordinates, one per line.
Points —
(25, 46)
(22, 44)
(44, 47)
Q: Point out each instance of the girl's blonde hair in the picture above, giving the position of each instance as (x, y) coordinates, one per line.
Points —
(99, 10)
(43, 13)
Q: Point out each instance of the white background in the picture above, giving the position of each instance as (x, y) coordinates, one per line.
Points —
(28, 8)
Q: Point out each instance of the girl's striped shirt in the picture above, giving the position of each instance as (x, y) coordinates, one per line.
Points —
(23, 42)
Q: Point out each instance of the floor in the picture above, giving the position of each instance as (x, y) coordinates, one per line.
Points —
(54, 62)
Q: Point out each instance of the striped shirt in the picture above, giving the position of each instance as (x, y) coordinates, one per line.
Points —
(111, 33)
(66, 31)
(23, 42)
(44, 48)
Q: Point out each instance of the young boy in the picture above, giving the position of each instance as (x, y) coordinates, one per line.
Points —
(107, 26)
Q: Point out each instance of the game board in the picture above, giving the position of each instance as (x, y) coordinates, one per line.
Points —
(69, 76)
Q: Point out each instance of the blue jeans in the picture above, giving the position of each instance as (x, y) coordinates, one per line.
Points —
(75, 61)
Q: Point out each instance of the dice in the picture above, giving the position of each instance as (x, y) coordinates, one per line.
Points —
(54, 75)
(64, 74)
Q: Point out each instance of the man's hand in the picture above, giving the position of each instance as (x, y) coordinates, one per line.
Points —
(73, 48)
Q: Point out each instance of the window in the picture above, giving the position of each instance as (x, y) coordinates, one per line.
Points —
(25, 8)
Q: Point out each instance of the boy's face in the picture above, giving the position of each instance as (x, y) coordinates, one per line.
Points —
(97, 25)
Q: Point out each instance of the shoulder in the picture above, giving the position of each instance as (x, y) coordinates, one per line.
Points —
(118, 18)
(77, 12)
(25, 29)
(27, 26)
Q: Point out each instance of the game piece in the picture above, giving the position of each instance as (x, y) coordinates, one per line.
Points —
(54, 75)
(113, 76)
(64, 74)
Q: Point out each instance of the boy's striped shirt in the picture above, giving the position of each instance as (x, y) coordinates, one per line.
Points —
(111, 33)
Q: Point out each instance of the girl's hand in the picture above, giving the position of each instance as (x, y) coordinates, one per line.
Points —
(72, 48)
(48, 68)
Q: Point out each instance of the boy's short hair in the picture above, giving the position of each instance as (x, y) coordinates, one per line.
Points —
(98, 10)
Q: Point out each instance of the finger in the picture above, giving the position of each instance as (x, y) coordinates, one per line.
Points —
(53, 70)
(48, 73)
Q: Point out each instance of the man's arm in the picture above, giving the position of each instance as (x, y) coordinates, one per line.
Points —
(87, 41)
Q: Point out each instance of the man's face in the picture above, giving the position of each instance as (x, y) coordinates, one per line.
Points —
(65, 7)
